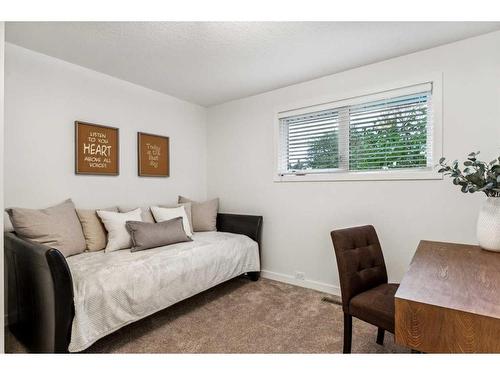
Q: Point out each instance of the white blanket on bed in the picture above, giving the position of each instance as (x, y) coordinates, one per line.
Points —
(114, 289)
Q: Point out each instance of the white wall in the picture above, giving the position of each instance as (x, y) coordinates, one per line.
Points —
(298, 216)
(43, 98)
(2, 44)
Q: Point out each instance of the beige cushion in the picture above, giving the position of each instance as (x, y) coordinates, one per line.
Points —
(148, 235)
(204, 214)
(146, 215)
(57, 227)
(187, 208)
(93, 230)
(118, 236)
(7, 225)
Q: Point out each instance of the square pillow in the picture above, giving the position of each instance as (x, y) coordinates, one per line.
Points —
(163, 214)
(187, 207)
(147, 235)
(114, 222)
(57, 227)
(93, 229)
(204, 214)
(146, 215)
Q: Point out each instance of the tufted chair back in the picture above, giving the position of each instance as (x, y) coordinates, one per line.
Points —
(360, 261)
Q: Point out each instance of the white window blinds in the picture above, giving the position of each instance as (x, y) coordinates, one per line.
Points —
(312, 141)
(387, 131)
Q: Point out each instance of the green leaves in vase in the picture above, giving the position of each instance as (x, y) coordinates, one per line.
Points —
(475, 176)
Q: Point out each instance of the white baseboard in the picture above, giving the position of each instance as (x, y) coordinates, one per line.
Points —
(310, 284)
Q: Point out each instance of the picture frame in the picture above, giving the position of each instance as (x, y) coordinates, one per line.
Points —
(97, 149)
(153, 155)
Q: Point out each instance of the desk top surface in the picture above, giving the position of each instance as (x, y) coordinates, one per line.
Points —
(454, 276)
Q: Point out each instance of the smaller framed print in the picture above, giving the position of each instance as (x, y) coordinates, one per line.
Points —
(96, 149)
(153, 152)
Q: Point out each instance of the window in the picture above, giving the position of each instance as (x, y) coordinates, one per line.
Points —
(380, 133)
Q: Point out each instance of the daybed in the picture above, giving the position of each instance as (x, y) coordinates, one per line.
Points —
(58, 304)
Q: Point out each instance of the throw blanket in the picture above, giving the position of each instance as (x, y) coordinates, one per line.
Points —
(114, 289)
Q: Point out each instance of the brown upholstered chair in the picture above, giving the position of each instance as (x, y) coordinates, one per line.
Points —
(366, 294)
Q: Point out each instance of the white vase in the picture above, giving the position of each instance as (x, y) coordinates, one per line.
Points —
(488, 224)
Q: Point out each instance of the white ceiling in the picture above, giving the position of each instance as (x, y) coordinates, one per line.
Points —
(214, 62)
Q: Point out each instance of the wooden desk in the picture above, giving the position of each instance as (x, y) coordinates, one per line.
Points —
(449, 300)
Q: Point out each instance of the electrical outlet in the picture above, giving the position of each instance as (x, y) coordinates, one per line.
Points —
(300, 275)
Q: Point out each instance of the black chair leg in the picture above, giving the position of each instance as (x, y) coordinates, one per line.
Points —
(347, 333)
(380, 336)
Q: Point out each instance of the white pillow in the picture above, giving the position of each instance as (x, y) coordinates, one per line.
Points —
(163, 214)
(118, 236)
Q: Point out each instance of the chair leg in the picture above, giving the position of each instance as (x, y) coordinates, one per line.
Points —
(380, 336)
(347, 333)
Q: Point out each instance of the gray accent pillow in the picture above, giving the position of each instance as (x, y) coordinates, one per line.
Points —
(148, 235)
(146, 214)
(57, 227)
(204, 214)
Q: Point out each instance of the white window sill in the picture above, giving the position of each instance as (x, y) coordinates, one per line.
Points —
(361, 176)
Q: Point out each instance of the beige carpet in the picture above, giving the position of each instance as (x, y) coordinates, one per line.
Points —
(241, 316)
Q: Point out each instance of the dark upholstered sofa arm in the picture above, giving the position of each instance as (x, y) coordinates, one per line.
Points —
(40, 295)
(248, 225)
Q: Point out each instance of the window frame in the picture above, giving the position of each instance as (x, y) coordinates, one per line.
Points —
(356, 97)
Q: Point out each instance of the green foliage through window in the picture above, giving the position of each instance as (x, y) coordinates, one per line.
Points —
(381, 135)
(395, 139)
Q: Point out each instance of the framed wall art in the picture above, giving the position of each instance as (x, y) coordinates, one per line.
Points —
(96, 149)
(153, 155)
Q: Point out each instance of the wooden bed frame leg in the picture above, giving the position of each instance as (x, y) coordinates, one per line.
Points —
(254, 276)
